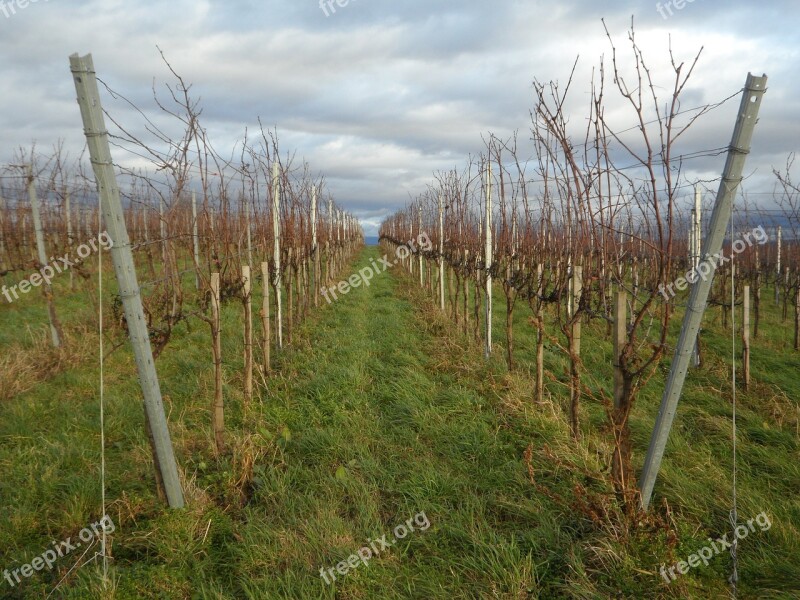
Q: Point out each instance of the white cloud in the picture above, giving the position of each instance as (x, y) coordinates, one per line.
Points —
(380, 94)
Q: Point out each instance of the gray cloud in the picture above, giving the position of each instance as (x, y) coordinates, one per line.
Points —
(380, 94)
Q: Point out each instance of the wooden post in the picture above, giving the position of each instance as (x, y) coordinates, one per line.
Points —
(778, 266)
(577, 291)
(306, 272)
(24, 229)
(477, 297)
(421, 269)
(451, 298)
(2, 233)
(265, 324)
(247, 216)
(212, 221)
(329, 245)
(620, 335)
(145, 220)
(539, 334)
(797, 319)
(68, 217)
(441, 252)
(635, 290)
(314, 249)
(697, 228)
(55, 325)
(163, 231)
(276, 230)
(697, 248)
(785, 292)
(746, 336)
(97, 140)
(248, 335)
(465, 292)
(289, 294)
(757, 296)
(337, 263)
(621, 469)
(196, 242)
(488, 259)
(218, 408)
(575, 349)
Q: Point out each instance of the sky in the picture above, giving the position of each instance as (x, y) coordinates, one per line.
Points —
(378, 95)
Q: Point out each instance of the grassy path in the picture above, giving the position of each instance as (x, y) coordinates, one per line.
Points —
(379, 416)
(381, 434)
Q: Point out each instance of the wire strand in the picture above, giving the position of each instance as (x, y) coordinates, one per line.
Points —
(102, 410)
(734, 516)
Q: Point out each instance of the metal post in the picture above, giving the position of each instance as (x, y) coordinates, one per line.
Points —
(68, 215)
(731, 178)
(265, 315)
(2, 234)
(577, 292)
(746, 336)
(778, 266)
(421, 269)
(488, 259)
(620, 336)
(163, 231)
(97, 139)
(248, 219)
(697, 248)
(218, 408)
(42, 254)
(145, 220)
(697, 227)
(276, 231)
(441, 252)
(248, 335)
(196, 242)
(315, 245)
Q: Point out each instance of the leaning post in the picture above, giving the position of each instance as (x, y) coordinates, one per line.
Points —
(94, 126)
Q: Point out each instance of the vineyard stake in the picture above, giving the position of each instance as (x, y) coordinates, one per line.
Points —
(97, 140)
(441, 253)
(55, 325)
(276, 231)
(731, 178)
(314, 248)
(746, 336)
(488, 259)
(196, 242)
(218, 409)
(248, 335)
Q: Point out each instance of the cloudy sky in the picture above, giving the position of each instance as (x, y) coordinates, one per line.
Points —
(378, 94)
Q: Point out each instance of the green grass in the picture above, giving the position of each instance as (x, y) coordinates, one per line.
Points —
(381, 411)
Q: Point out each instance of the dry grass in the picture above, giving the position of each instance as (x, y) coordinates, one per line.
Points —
(24, 365)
